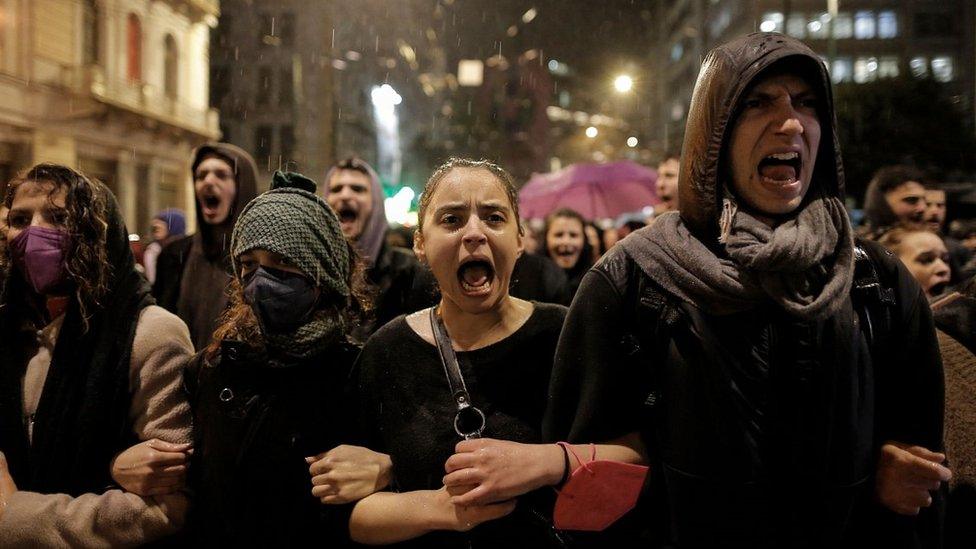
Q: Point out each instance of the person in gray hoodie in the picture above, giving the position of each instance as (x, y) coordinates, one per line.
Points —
(399, 283)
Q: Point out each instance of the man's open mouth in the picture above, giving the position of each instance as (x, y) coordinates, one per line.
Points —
(348, 215)
(476, 276)
(781, 168)
(566, 251)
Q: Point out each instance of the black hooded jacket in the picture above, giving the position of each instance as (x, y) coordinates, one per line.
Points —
(192, 273)
(763, 429)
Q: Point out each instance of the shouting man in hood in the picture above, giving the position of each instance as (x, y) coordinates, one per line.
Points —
(193, 272)
(781, 402)
(400, 284)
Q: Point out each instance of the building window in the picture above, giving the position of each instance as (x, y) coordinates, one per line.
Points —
(887, 24)
(262, 144)
(286, 88)
(286, 137)
(772, 22)
(720, 22)
(842, 70)
(888, 67)
(220, 83)
(818, 27)
(942, 69)
(796, 25)
(677, 50)
(933, 24)
(843, 25)
(919, 66)
(864, 25)
(263, 95)
(287, 30)
(171, 68)
(133, 66)
(91, 36)
(865, 69)
(564, 98)
(266, 30)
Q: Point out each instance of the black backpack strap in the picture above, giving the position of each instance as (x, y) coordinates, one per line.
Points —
(872, 300)
(647, 345)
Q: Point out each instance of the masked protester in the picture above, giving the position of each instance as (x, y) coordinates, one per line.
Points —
(502, 349)
(567, 245)
(193, 272)
(89, 366)
(730, 335)
(399, 283)
(267, 393)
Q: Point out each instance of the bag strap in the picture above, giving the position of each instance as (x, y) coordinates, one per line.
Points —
(651, 318)
(455, 381)
(868, 293)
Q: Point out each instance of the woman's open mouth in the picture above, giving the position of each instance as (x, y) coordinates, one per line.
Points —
(476, 277)
(938, 288)
(211, 203)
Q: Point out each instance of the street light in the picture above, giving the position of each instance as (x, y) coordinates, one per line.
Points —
(631, 142)
(592, 132)
(623, 83)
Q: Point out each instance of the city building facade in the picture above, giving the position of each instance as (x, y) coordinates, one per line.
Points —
(860, 41)
(271, 80)
(116, 88)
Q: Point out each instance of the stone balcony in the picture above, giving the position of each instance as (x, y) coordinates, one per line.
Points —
(145, 100)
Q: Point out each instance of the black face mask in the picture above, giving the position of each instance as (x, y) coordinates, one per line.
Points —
(281, 300)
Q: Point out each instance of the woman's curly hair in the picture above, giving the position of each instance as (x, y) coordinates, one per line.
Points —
(86, 256)
(238, 322)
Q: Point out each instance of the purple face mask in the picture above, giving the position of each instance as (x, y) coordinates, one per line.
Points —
(38, 253)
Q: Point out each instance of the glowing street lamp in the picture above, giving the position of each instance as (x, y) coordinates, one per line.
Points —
(631, 142)
(623, 83)
(592, 132)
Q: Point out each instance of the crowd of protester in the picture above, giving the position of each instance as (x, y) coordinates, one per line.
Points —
(741, 368)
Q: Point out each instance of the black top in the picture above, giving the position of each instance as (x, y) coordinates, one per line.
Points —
(253, 425)
(399, 285)
(408, 409)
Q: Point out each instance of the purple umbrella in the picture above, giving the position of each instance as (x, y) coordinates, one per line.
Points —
(596, 191)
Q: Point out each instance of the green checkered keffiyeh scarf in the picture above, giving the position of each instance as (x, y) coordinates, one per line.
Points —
(291, 220)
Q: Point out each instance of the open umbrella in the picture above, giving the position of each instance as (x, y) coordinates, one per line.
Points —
(596, 191)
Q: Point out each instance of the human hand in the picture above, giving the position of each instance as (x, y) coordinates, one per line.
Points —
(906, 475)
(348, 473)
(7, 484)
(461, 518)
(152, 468)
(499, 470)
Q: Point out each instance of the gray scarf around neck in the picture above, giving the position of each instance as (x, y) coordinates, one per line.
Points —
(308, 340)
(805, 265)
